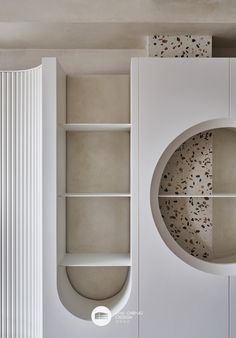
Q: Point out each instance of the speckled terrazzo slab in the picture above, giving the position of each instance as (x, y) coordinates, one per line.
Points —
(180, 46)
(189, 221)
(189, 170)
(204, 226)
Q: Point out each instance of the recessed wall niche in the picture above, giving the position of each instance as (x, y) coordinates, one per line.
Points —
(196, 195)
(94, 194)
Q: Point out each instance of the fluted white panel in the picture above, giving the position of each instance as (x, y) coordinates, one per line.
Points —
(21, 204)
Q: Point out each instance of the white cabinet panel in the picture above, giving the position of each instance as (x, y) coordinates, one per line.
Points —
(177, 300)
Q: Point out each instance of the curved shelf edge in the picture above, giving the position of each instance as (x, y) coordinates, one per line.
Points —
(225, 266)
(82, 307)
(225, 260)
(21, 70)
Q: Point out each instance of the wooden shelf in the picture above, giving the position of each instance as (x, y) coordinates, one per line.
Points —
(97, 126)
(216, 195)
(97, 195)
(93, 259)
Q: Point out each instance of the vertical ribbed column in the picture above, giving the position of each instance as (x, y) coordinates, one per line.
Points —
(21, 204)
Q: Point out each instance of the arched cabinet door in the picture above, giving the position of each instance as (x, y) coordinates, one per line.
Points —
(175, 98)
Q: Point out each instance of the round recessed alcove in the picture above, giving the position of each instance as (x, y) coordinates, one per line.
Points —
(193, 196)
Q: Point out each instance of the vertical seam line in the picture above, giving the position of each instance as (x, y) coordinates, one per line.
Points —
(138, 210)
(229, 113)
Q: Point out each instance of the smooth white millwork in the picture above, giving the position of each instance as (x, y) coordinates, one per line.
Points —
(97, 126)
(176, 99)
(21, 205)
(89, 259)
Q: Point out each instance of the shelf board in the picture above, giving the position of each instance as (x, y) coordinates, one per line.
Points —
(225, 260)
(97, 126)
(96, 259)
(215, 195)
(97, 195)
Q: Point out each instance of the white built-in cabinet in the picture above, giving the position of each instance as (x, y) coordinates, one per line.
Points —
(105, 205)
(182, 104)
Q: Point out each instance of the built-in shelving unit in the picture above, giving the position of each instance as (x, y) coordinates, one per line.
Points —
(197, 195)
(97, 188)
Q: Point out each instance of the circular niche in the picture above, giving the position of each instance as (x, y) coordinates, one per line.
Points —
(193, 197)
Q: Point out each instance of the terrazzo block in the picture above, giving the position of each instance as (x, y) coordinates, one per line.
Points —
(180, 46)
(189, 221)
(189, 170)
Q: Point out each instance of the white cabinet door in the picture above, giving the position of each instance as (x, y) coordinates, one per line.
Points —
(177, 300)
